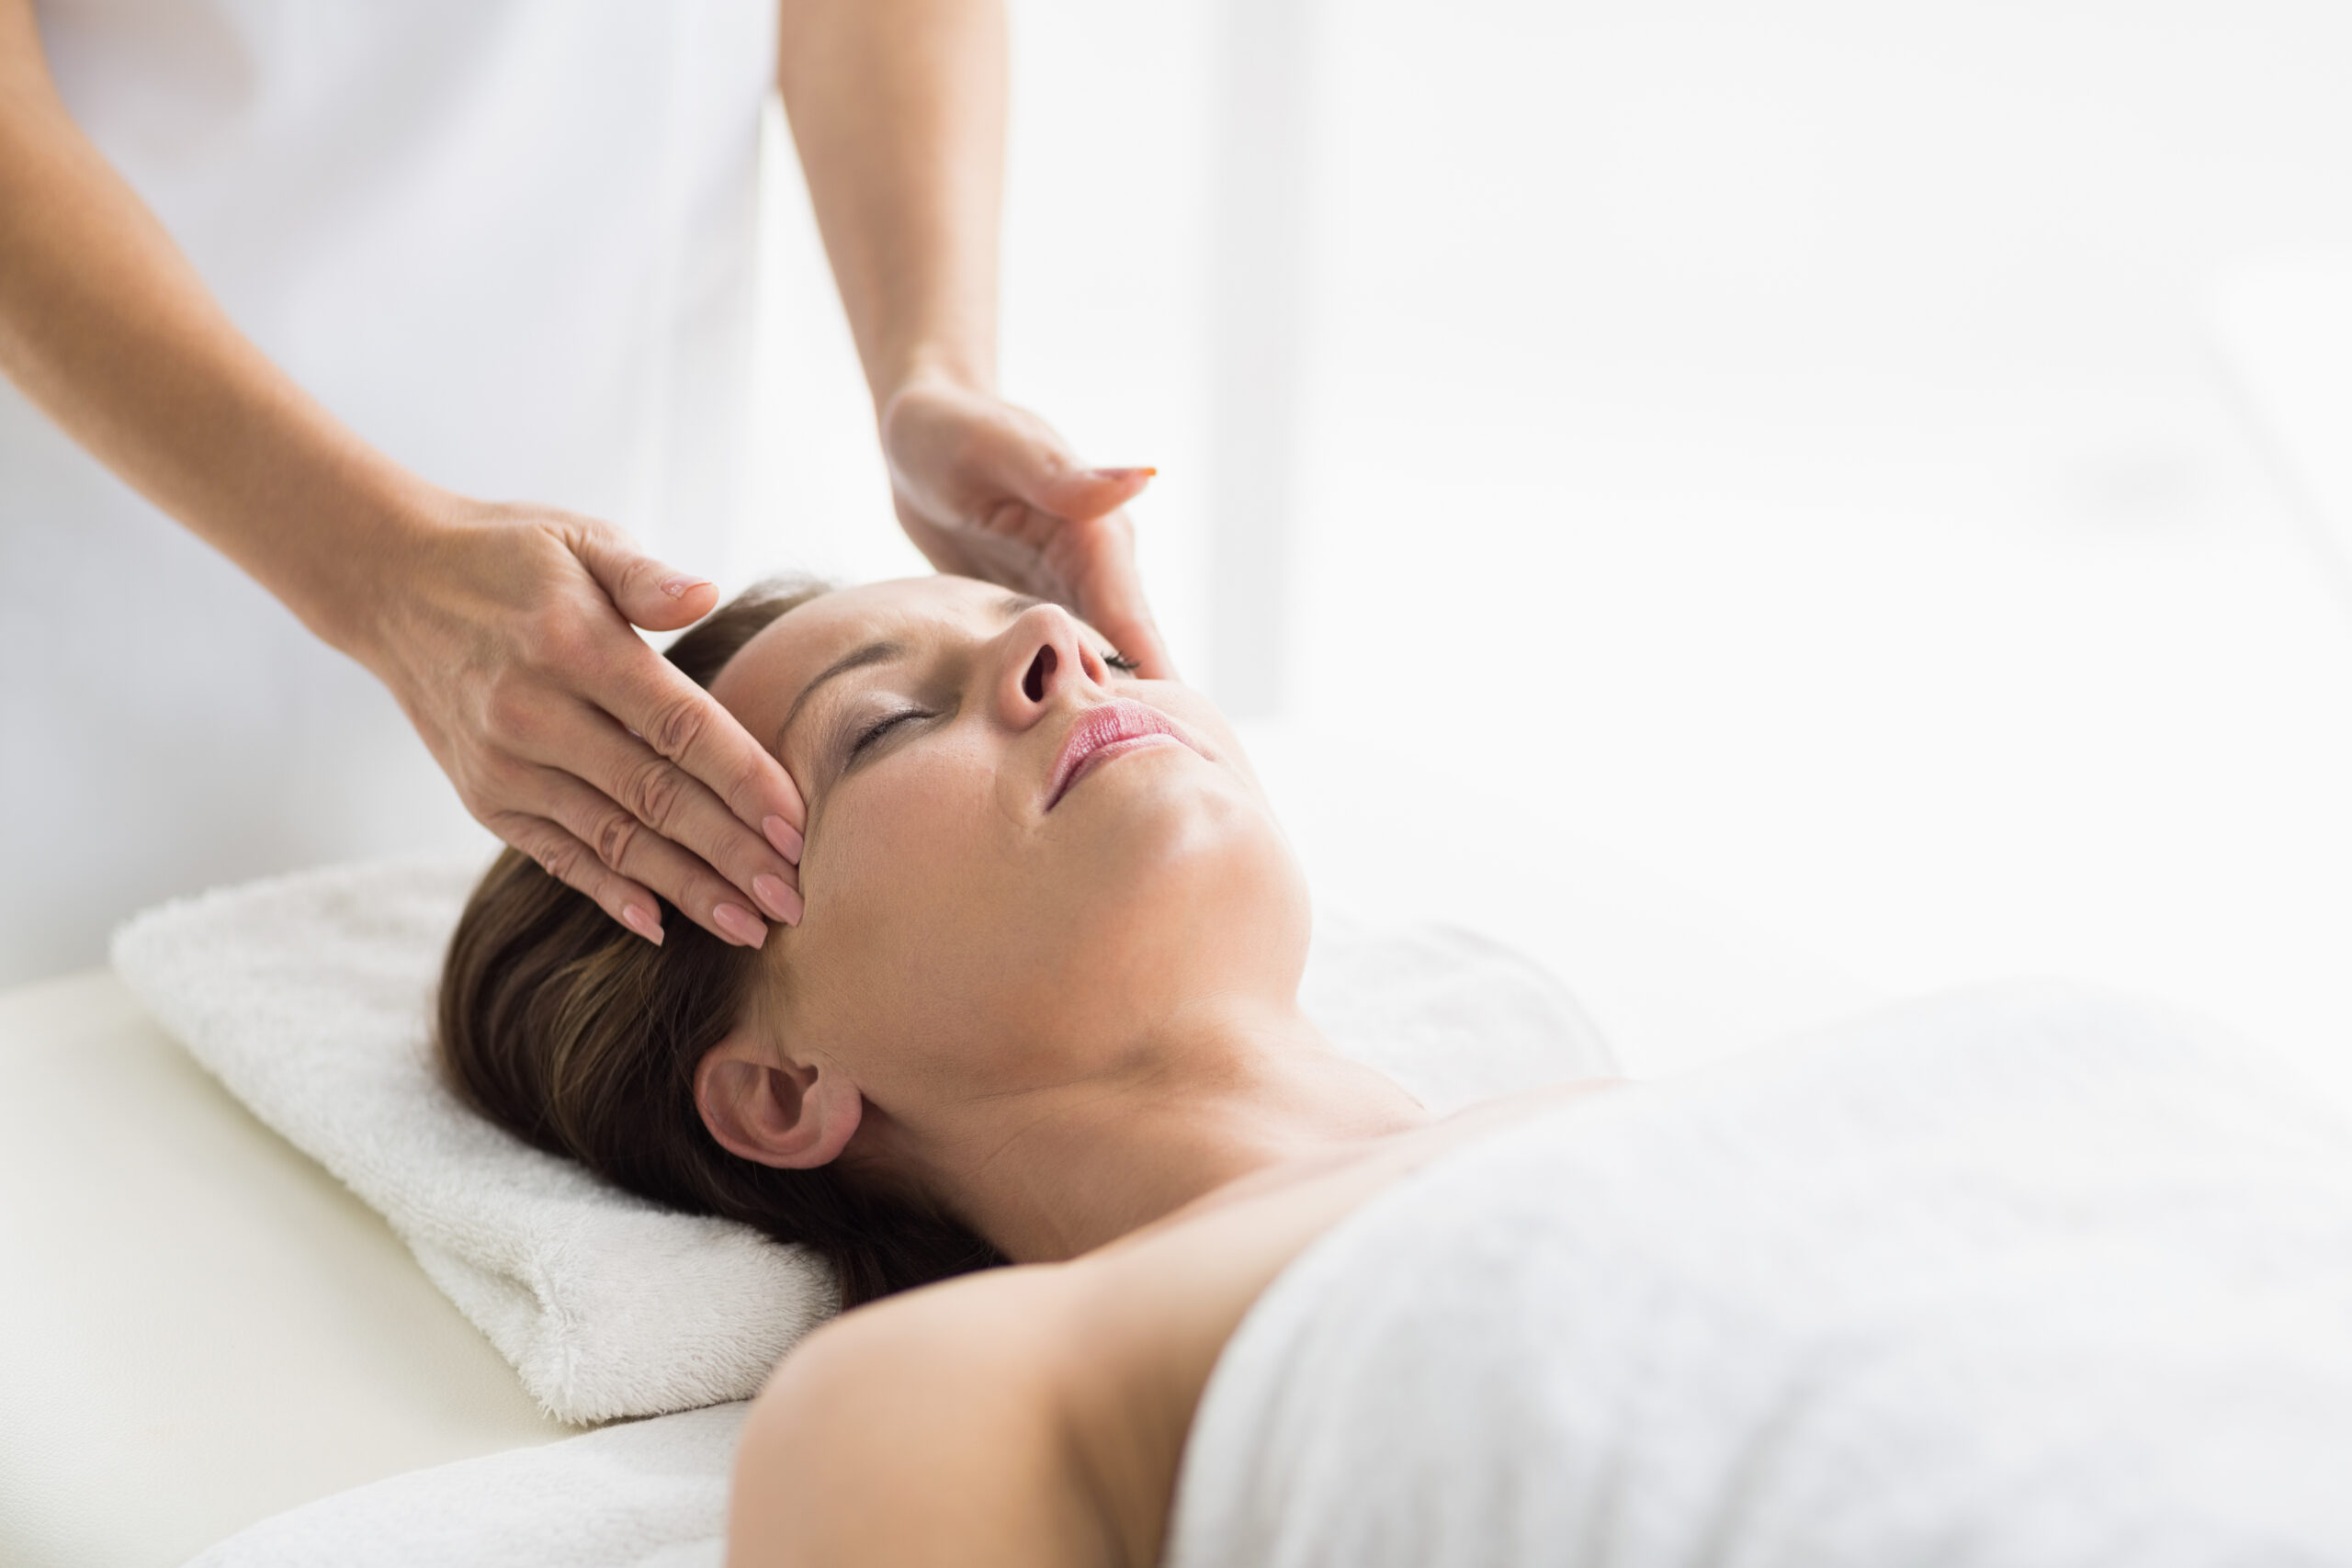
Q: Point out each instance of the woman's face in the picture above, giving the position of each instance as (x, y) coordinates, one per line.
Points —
(1021, 862)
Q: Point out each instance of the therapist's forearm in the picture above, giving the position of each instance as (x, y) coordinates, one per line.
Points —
(897, 109)
(105, 326)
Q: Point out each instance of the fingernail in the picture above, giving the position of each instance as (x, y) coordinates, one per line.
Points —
(643, 921)
(785, 837)
(777, 897)
(740, 923)
(678, 587)
(1120, 476)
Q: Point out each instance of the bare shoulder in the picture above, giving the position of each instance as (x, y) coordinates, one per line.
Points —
(1038, 1415)
(927, 1427)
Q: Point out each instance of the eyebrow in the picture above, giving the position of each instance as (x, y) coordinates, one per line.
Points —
(1009, 605)
(856, 659)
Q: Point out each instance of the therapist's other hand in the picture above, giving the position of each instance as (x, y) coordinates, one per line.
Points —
(986, 490)
(504, 633)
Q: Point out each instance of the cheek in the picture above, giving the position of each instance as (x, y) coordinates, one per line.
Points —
(899, 881)
(946, 927)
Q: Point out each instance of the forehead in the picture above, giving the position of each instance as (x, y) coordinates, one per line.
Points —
(761, 682)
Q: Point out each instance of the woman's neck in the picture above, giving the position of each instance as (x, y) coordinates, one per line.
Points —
(1053, 1172)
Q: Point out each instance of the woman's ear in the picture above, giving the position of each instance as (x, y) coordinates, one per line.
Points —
(792, 1116)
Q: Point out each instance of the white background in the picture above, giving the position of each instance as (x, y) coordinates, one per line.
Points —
(1766, 525)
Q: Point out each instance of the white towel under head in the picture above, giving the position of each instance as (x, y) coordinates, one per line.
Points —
(309, 997)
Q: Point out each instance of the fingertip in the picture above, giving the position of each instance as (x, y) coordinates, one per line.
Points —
(1085, 494)
(778, 897)
(786, 838)
(740, 926)
(681, 599)
(641, 918)
(646, 590)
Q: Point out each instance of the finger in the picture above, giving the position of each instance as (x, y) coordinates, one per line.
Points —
(1098, 559)
(658, 598)
(570, 862)
(621, 844)
(1119, 613)
(640, 791)
(648, 694)
(1084, 494)
(1137, 637)
(1031, 462)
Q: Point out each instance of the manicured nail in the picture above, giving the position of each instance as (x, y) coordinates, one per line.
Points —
(643, 921)
(740, 924)
(777, 897)
(1120, 476)
(678, 587)
(785, 837)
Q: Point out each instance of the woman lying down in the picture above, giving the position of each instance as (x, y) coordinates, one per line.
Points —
(2029, 1278)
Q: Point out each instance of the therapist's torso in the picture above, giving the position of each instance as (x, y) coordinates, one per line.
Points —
(511, 243)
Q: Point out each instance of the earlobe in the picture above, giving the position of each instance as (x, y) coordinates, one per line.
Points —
(793, 1116)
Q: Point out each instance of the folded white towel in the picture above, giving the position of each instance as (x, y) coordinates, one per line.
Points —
(309, 997)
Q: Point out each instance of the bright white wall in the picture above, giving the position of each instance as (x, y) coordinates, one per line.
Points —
(1102, 311)
(1766, 528)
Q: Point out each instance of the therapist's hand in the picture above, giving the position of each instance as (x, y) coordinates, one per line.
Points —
(504, 633)
(986, 490)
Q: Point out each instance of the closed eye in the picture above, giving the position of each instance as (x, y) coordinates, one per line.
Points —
(879, 728)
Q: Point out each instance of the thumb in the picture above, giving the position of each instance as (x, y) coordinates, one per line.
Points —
(657, 597)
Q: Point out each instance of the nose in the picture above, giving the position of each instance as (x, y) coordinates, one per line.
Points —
(1045, 653)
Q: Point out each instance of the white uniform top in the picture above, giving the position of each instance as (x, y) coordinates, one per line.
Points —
(511, 243)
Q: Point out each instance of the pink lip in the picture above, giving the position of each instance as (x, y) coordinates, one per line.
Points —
(1107, 730)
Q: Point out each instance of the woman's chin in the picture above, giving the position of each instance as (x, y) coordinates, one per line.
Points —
(1179, 868)
(1157, 812)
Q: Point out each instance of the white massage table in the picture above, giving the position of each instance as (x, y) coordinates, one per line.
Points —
(198, 1327)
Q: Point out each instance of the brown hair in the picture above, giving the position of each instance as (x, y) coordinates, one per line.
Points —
(575, 1034)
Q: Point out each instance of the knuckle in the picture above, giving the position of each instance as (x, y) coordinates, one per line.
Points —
(512, 826)
(552, 638)
(567, 646)
(615, 832)
(499, 782)
(509, 705)
(655, 790)
(676, 724)
(558, 855)
(481, 804)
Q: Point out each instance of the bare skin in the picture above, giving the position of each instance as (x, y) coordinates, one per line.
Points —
(1038, 1416)
(1049, 981)
(503, 629)
(899, 110)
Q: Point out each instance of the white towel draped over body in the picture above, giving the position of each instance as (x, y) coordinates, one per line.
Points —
(2029, 1278)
